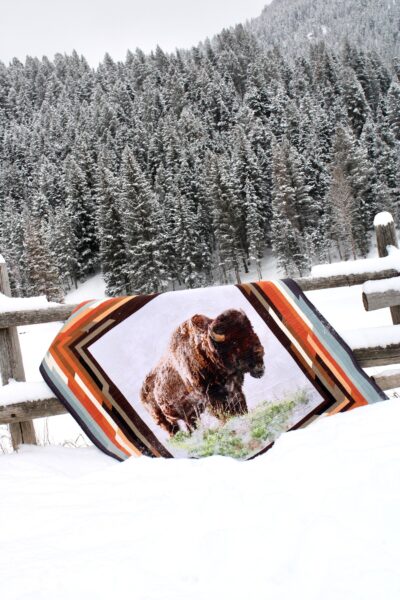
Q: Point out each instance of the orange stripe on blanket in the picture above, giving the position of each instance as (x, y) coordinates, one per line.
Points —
(119, 302)
(66, 363)
(82, 318)
(307, 339)
(340, 373)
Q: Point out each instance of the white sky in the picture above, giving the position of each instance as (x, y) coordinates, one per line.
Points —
(93, 27)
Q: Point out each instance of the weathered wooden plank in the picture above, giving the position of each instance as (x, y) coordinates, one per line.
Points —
(16, 435)
(378, 356)
(63, 312)
(386, 236)
(374, 300)
(36, 316)
(11, 367)
(308, 284)
(25, 411)
(389, 380)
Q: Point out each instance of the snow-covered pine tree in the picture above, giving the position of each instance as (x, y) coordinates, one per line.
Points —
(393, 108)
(143, 228)
(53, 280)
(287, 239)
(12, 245)
(112, 253)
(228, 250)
(343, 213)
(354, 163)
(254, 229)
(354, 100)
(187, 243)
(379, 161)
(63, 246)
(81, 215)
(245, 168)
(42, 273)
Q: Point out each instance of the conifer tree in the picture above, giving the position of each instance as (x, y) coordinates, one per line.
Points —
(112, 252)
(63, 246)
(81, 216)
(255, 230)
(229, 254)
(12, 245)
(286, 235)
(353, 162)
(43, 275)
(355, 101)
(143, 229)
(393, 108)
(187, 244)
(343, 214)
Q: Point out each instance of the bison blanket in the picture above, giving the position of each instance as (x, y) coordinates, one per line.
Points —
(193, 373)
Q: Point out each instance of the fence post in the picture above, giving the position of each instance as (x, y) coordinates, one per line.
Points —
(11, 366)
(386, 236)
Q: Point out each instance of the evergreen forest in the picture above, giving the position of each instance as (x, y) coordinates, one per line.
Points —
(180, 169)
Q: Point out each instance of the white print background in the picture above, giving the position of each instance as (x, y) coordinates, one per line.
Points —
(131, 349)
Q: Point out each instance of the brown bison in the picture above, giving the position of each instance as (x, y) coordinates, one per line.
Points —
(203, 368)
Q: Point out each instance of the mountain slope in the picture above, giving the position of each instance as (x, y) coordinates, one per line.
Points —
(294, 24)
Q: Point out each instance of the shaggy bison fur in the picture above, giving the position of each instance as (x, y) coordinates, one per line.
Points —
(203, 369)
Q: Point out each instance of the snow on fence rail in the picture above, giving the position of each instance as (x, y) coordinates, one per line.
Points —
(61, 312)
(381, 294)
(16, 318)
(23, 402)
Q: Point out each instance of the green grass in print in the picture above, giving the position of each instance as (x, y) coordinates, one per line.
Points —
(245, 435)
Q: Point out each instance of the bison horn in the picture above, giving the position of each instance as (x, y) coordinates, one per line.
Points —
(217, 337)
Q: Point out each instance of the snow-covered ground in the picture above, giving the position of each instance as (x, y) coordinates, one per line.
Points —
(315, 517)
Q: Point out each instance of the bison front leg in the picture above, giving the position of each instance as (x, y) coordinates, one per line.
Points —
(227, 401)
(236, 401)
(238, 404)
(190, 421)
(190, 408)
(234, 404)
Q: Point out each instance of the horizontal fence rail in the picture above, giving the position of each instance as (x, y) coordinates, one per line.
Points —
(50, 314)
(309, 284)
(377, 356)
(374, 299)
(62, 312)
(366, 357)
(32, 409)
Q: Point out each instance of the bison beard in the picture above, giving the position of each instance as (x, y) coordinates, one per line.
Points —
(203, 369)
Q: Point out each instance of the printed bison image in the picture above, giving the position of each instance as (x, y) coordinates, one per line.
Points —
(203, 369)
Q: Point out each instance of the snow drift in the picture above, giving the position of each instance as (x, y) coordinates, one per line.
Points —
(316, 517)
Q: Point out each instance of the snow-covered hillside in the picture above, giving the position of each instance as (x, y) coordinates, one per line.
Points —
(293, 24)
(316, 517)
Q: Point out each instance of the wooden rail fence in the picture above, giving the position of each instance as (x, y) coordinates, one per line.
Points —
(19, 415)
